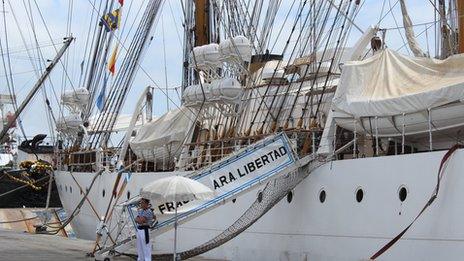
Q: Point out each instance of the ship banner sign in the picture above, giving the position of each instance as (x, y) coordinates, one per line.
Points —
(233, 175)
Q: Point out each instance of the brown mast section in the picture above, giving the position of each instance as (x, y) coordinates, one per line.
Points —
(201, 37)
(460, 11)
(201, 22)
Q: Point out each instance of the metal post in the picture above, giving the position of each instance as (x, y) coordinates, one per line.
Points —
(430, 128)
(164, 161)
(149, 105)
(49, 190)
(334, 142)
(187, 45)
(175, 232)
(313, 137)
(376, 137)
(222, 149)
(402, 136)
(355, 138)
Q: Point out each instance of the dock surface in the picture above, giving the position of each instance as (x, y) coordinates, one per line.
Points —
(24, 246)
(16, 245)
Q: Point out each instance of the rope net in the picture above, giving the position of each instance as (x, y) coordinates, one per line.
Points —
(274, 191)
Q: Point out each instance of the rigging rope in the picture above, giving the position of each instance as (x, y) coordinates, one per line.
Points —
(10, 82)
(124, 78)
(50, 36)
(76, 210)
(276, 68)
(40, 58)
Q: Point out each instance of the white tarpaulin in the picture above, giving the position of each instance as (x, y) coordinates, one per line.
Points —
(167, 131)
(390, 83)
(121, 124)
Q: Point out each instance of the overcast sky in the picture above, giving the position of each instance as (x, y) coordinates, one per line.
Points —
(55, 14)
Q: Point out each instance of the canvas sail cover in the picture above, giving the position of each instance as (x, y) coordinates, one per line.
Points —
(164, 132)
(390, 83)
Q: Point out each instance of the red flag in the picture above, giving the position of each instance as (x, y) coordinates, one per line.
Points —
(121, 2)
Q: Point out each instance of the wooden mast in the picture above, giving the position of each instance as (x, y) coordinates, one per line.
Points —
(201, 37)
(460, 15)
(201, 22)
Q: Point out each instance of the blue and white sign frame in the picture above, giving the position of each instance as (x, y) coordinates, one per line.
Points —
(233, 175)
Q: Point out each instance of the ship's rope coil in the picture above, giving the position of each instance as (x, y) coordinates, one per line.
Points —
(31, 169)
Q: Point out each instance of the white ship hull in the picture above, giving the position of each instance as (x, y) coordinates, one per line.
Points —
(306, 229)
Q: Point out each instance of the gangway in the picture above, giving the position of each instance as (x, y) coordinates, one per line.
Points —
(271, 159)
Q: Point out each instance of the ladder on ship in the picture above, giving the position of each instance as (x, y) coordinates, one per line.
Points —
(282, 172)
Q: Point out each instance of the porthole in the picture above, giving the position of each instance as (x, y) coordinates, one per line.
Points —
(402, 193)
(359, 194)
(289, 196)
(260, 196)
(61, 187)
(128, 194)
(70, 189)
(322, 195)
(66, 188)
(233, 200)
(103, 193)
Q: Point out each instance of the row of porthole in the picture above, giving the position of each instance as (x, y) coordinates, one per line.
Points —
(103, 191)
(128, 194)
(359, 195)
(66, 188)
(402, 195)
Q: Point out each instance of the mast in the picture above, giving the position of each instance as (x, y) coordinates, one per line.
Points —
(196, 33)
(37, 86)
(445, 34)
(460, 12)
(201, 22)
(186, 71)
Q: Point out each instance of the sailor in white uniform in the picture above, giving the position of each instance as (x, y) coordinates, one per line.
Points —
(144, 218)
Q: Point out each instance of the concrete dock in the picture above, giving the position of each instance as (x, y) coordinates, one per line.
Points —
(16, 245)
(24, 246)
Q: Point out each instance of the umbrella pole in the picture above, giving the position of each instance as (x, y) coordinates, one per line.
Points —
(175, 231)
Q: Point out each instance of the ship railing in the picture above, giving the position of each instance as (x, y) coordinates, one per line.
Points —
(192, 156)
(431, 134)
(94, 160)
(87, 160)
(200, 154)
(150, 160)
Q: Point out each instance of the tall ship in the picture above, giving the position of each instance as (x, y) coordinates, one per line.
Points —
(319, 140)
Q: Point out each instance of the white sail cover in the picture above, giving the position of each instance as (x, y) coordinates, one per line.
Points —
(164, 132)
(390, 83)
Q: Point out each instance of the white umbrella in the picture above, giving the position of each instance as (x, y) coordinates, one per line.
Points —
(175, 189)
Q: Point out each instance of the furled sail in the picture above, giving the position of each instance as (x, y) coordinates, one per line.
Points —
(409, 31)
(162, 138)
(390, 83)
